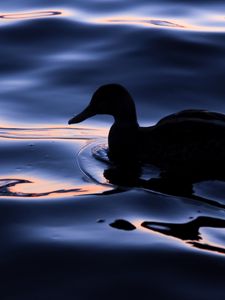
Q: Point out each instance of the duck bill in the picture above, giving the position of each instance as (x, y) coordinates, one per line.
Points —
(85, 114)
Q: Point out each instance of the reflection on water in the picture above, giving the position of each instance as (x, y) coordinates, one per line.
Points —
(190, 232)
(193, 25)
(52, 133)
(142, 21)
(45, 188)
(205, 233)
(92, 160)
(30, 15)
(165, 23)
(29, 184)
(56, 206)
(201, 22)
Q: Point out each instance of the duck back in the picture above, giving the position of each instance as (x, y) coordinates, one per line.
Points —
(192, 138)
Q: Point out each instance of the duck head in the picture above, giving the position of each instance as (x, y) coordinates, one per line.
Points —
(110, 99)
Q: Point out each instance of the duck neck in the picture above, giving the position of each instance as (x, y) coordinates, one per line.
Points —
(126, 118)
(125, 122)
(123, 139)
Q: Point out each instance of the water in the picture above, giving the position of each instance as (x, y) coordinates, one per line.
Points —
(66, 233)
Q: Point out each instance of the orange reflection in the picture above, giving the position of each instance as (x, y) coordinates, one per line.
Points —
(141, 21)
(32, 15)
(35, 187)
(168, 23)
(137, 223)
(52, 132)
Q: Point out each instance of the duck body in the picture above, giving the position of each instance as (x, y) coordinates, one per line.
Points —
(190, 140)
(184, 138)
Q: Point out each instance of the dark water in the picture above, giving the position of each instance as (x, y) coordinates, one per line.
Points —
(65, 232)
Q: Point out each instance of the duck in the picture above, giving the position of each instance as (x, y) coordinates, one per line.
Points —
(190, 142)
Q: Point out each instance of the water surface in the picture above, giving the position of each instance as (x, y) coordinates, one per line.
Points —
(65, 231)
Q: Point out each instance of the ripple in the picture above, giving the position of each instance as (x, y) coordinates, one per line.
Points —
(29, 182)
(36, 187)
(93, 169)
(51, 133)
(31, 15)
(141, 21)
(144, 21)
(165, 23)
(202, 23)
(93, 161)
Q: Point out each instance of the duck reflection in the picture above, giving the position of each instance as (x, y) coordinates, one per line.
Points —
(189, 232)
(179, 184)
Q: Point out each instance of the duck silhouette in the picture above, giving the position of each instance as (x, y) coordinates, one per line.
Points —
(188, 144)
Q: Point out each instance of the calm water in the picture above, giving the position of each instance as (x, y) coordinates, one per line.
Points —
(65, 232)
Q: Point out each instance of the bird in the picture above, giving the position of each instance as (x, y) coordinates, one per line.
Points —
(188, 143)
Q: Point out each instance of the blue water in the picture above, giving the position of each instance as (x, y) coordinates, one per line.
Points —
(60, 234)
